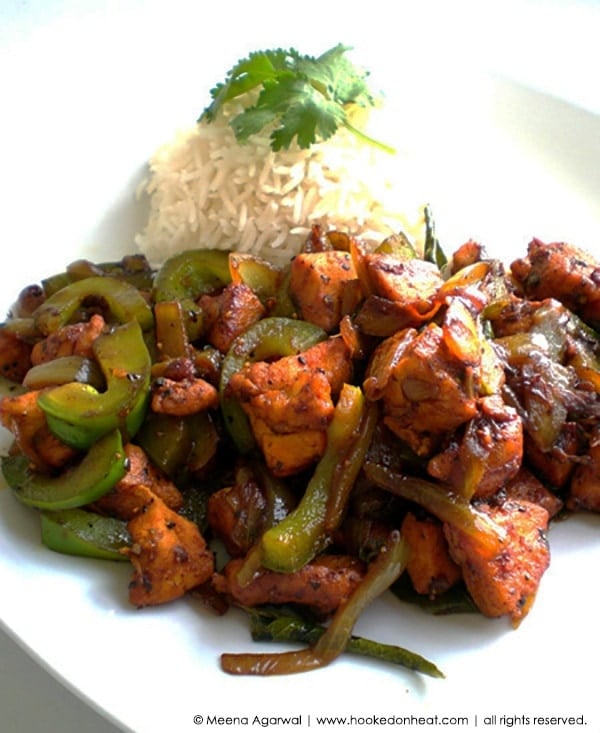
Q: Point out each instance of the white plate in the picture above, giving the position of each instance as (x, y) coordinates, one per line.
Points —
(90, 97)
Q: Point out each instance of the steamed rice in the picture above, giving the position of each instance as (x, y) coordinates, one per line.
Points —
(207, 191)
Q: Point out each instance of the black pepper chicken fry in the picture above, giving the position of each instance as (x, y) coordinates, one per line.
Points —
(482, 390)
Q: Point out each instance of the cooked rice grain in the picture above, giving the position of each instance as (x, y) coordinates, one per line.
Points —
(207, 191)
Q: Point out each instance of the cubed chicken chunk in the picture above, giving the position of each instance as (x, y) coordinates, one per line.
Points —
(563, 271)
(168, 554)
(290, 402)
(325, 287)
(504, 582)
(322, 584)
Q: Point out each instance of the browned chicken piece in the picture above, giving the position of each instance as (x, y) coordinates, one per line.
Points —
(142, 482)
(186, 397)
(557, 464)
(319, 240)
(20, 407)
(15, 356)
(467, 254)
(168, 554)
(124, 501)
(140, 470)
(51, 451)
(27, 422)
(177, 369)
(584, 491)
(74, 339)
(289, 402)
(526, 486)
(288, 453)
(562, 271)
(325, 287)
(411, 283)
(515, 316)
(431, 569)
(504, 582)
(230, 313)
(286, 395)
(488, 454)
(205, 363)
(425, 390)
(322, 584)
(402, 294)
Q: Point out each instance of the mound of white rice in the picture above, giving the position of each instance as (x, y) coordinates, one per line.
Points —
(208, 191)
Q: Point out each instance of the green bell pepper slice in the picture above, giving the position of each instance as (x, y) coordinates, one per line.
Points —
(84, 534)
(307, 530)
(97, 472)
(63, 370)
(166, 440)
(171, 331)
(8, 388)
(78, 414)
(269, 338)
(263, 278)
(123, 301)
(179, 446)
(186, 276)
(133, 269)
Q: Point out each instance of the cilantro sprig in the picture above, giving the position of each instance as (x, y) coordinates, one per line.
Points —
(303, 98)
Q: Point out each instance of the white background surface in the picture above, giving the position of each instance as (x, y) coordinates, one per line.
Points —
(103, 60)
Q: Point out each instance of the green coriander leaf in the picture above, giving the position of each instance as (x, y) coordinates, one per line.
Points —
(305, 99)
(302, 112)
(246, 75)
(342, 81)
(307, 123)
(251, 121)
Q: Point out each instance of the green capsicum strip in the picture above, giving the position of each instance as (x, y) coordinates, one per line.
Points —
(78, 414)
(63, 370)
(349, 465)
(123, 301)
(303, 533)
(188, 275)
(133, 269)
(267, 339)
(179, 446)
(261, 276)
(24, 328)
(97, 472)
(167, 441)
(171, 334)
(8, 388)
(84, 534)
